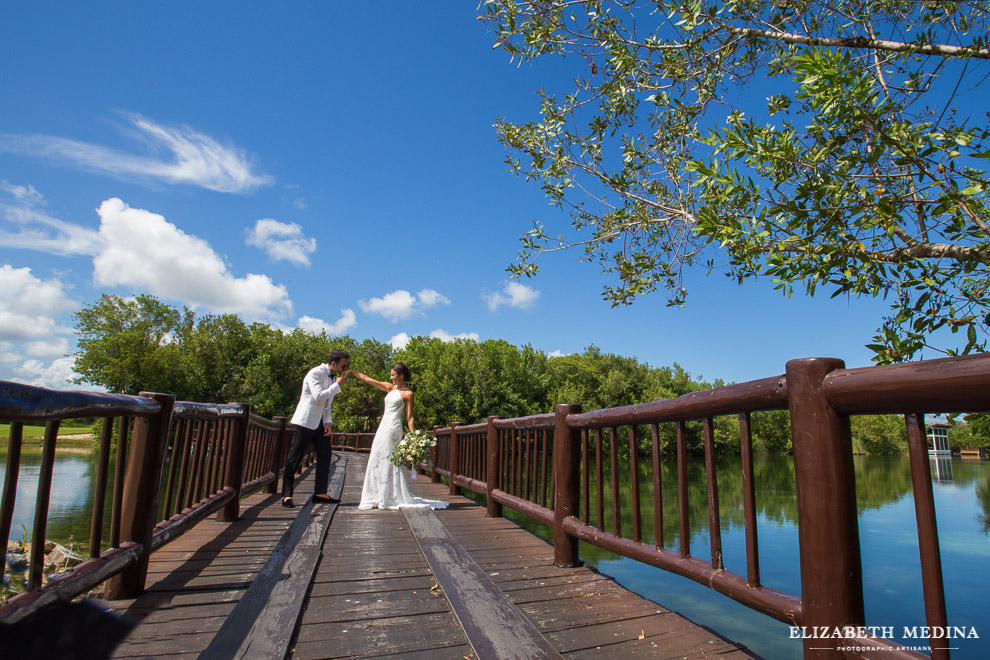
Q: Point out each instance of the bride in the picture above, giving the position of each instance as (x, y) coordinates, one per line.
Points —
(385, 486)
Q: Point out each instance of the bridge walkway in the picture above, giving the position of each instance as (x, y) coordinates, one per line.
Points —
(381, 583)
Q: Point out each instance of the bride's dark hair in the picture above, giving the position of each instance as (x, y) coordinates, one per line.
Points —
(403, 371)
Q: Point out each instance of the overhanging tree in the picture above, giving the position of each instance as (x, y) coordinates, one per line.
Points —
(838, 145)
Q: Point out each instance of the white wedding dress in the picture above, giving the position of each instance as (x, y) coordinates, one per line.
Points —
(385, 484)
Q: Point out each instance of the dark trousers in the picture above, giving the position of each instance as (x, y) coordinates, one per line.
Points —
(301, 438)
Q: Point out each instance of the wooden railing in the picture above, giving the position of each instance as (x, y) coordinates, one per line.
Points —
(352, 441)
(175, 464)
(555, 468)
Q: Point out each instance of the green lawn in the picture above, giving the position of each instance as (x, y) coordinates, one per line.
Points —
(38, 432)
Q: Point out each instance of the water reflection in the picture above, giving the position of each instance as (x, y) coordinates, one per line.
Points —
(71, 502)
(888, 534)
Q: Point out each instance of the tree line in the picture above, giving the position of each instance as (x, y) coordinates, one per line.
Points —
(142, 344)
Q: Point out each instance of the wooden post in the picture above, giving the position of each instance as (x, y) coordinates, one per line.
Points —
(494, 476)
(828, 531)
(234, 470)
(566, 469)
(140, 501)
(434, 475)
(454, 458)
(277, 461)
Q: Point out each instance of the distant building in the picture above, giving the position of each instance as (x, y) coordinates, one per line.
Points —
(938, 439)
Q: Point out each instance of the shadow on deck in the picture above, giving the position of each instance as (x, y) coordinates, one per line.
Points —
(275, 584)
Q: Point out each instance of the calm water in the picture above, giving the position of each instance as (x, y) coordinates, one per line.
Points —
(891, 564)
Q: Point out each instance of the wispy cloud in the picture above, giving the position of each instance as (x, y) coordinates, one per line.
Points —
(144, 251)
(401, 305)
(28, 226)
(513, 294)
(314, 326)
(281, 241)
(196, 159)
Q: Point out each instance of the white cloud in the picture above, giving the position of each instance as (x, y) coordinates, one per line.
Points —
(196, 159)
(29, 305)
(36, 230)
(314, 326)
(144, 251)
(399, 341)
(513, 294)
(401, 305)
(57, 375)
(555, 354)
(282, 241)
(445, 336)
(49, 348)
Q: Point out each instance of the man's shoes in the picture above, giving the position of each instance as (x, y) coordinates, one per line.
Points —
(325, 499)
(287, 502)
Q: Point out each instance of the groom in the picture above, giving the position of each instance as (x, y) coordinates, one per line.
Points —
(320, 386)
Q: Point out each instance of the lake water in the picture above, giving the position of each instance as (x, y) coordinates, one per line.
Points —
(891, 565)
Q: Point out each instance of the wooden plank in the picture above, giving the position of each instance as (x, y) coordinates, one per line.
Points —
(265, 618)
(494, 626)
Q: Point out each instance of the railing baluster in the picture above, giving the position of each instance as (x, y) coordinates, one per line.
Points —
(173, 466)
(182, 486)
(118, 480)
(634, 469)
(11, 473)
(749, 501)
(585, 480)
(599, 480)
(928, 545)
(543, 467)
(714, 526)
(39, 534)
(682, 490)
(657, 488)
(100, 488)
(613, 448)
(525, 479)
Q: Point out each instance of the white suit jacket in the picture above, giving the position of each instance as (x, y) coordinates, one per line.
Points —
(318, 390)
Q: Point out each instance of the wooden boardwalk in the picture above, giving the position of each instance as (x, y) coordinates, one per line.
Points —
(373, 592)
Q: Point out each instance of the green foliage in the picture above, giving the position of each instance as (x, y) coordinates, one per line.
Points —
(973, 431)
(878, 434)
(864, 174)
(220, 359)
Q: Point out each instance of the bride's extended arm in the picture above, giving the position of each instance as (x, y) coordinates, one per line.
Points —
(384, 387)
(409, 412)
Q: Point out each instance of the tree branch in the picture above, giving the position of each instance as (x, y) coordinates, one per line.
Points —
(935, 50)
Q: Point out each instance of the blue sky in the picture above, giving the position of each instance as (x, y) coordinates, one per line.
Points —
(324, 165)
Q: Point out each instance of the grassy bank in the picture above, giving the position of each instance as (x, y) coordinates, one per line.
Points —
(33, 435)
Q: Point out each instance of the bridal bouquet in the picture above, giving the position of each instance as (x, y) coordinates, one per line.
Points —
(414, 448)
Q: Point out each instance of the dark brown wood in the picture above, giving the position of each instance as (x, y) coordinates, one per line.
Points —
(749, 502)
(140, 506)
(683, 509)
(494, 627)
(494, 467)
(27, 403)
(566, 498)
(599, 479)
(123, 427)
(613, 456)
(955, 384)
(714, 526)
(763, 394)
(657, 487)
(634, 484)
(454, 458)
(928, 546)
(828, 531)
(100, 488)
(236, 454)
(11, 473)
(39, 532)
